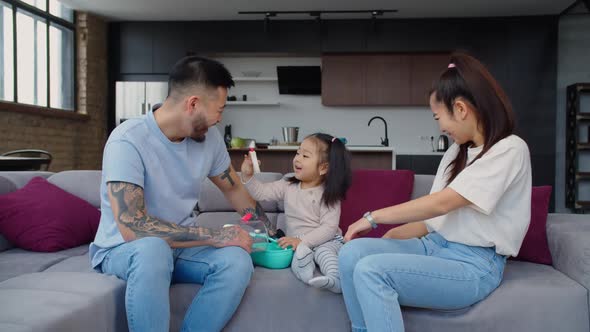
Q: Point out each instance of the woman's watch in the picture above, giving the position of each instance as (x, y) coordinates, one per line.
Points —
(370, 218)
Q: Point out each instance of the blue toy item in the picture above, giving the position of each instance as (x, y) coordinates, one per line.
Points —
(271, 256)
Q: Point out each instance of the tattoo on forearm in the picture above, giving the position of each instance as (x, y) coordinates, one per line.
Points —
(227, 175)
(130, 211)
(259, 213)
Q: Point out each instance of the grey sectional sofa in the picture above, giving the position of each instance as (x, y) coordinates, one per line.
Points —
(59, 291)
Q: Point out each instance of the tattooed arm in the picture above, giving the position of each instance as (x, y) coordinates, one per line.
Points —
(231, 186)
(127, 203)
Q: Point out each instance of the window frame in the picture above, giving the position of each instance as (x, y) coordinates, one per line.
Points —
(48, 19)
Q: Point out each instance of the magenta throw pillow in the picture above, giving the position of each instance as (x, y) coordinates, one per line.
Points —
(43, 217)
(373, 190)
(535, 247)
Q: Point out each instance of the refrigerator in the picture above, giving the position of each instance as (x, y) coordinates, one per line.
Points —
(134, 99)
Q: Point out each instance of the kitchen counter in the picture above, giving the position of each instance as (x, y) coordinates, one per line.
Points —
(372, 148)
(279, 158)
(419, 153)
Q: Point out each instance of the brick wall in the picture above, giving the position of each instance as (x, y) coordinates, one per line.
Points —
(74, 143)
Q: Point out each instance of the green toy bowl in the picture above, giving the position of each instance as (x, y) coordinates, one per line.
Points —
(271, 256)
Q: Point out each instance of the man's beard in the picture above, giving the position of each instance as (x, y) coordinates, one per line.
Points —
(200, 125)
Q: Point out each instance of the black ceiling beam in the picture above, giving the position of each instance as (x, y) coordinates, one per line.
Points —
(320, 12)
(587, 4)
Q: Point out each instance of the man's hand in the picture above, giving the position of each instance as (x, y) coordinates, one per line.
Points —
(232, 236)
(284, 242)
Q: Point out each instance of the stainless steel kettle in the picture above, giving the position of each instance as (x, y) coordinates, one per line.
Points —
(443, 143)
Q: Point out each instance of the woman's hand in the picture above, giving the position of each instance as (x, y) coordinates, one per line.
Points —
(247, 168)
(358, 228)
(286, 241)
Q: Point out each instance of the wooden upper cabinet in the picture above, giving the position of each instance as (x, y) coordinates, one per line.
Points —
(425, 69)
(343, 80)
(387, 79)
(380, 79)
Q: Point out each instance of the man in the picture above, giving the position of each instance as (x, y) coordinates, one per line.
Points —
(153, 168)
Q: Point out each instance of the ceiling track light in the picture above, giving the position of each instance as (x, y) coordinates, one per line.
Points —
(318, 13)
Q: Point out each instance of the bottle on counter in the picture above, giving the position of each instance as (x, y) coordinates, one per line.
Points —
(227, 136)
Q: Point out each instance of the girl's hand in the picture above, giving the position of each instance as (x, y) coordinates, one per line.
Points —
(284, 242)
(358, 228)
(247, 168)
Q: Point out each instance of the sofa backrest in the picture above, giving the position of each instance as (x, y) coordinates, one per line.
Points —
(84, 184)
(422, 185)
(12, 181)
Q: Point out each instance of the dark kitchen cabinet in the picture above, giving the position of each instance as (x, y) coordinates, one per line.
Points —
(343, 80)
(379, 79)
(135, 48)
(419, 164)
(424, 69)
(169, 46)
(386, 80)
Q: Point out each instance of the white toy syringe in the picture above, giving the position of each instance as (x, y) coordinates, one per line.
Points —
(253, 157)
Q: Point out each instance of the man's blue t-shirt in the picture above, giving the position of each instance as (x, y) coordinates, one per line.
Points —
(170, 174)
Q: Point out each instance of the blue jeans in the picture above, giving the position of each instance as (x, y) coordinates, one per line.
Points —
(149, 266)
(379, 275)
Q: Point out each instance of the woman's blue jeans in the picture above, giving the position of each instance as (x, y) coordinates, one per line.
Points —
(149, 266)
(379, 275)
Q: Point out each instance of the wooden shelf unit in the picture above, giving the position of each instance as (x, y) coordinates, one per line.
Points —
(577, 144)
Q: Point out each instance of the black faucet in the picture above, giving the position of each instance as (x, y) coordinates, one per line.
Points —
(384, 142)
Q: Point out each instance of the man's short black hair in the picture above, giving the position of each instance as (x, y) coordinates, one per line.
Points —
(195, 70)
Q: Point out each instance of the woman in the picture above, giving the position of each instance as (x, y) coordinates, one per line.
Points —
(453, 247)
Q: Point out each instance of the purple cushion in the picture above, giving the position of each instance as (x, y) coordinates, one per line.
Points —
(373, 190)
(43, 217)
(535, 247)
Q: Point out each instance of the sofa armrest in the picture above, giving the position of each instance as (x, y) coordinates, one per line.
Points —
(568, 236)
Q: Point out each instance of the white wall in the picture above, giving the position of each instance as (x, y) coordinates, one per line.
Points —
(573, 66)
(405, 124)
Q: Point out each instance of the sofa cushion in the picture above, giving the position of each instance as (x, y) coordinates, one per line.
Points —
(84, 184)
(274, 301)
(373, 190)
(535, 247)
(15, 262)
(531, 297)
(73, 264)
(63, 302)
(18, 261)
(211, 199)
(42, 217)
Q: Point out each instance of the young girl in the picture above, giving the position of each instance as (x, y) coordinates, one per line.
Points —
(312, 206)
(452, 249)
